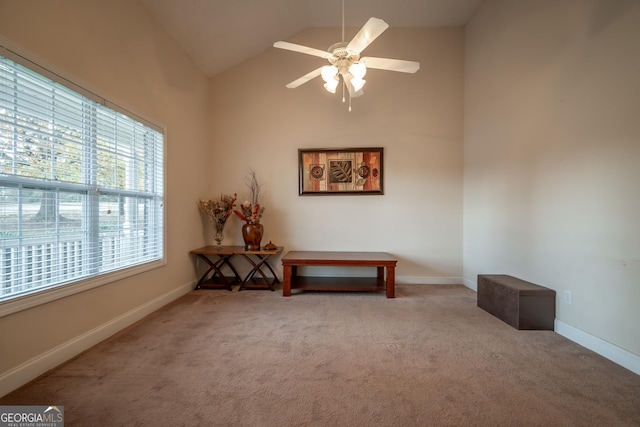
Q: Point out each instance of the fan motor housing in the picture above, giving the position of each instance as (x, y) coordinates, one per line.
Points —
(340, 53)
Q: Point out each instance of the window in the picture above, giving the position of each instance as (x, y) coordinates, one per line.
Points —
(81, 184)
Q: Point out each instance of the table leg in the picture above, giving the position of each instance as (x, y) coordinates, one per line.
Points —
(391, 282)
(286, 281)
(275, 276)
(216, 268)
(231, 267)
(257, 268)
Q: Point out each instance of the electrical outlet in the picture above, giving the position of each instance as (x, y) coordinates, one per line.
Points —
(567, 297)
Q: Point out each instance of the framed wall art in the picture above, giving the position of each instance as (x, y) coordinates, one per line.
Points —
(340, 171)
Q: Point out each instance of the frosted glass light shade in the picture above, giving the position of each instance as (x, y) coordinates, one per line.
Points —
(358, 70)
(328, 73)
(331, 85)
(357, 83)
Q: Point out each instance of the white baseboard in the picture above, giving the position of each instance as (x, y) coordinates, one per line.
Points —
(471, 284)
(40, 364)
(605, 349)
(408, 280)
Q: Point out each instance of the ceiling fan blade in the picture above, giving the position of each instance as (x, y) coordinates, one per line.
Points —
(391, 64)
(302, 49)
(302, 80)
(367, 34)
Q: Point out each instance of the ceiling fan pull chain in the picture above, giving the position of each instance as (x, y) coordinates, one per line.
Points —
(343, 21)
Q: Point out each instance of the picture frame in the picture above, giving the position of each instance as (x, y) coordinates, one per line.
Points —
(341, 171)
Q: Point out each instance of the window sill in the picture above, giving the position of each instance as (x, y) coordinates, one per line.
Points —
(43, 297)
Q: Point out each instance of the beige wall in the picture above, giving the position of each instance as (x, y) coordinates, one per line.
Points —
(551, 152)
(119, 51)
(258, 123)
(552, 156)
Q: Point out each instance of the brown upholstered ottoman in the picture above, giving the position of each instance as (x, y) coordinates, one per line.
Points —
(521, 304)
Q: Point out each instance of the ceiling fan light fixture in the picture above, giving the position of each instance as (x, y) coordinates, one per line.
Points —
(331, 85)
(329, 73)
(358, 70)
(347, 65)
(357, 83)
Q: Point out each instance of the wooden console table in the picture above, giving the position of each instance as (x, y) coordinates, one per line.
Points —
(214, 278)
(381, 260)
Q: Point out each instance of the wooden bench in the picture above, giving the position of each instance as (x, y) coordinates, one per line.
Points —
(381, 260)
(521, 304)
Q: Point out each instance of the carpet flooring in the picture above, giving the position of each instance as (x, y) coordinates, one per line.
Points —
(429, 357)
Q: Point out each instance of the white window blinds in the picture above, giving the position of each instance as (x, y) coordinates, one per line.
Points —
(81, 186)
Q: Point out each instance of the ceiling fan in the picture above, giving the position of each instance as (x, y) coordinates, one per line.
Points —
(346, 65)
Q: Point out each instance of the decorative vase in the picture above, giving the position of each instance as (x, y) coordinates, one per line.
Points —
(219, 237)
(252, 235)
(218, 228)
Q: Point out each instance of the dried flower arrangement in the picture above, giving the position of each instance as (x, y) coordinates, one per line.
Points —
(218, 211)
(251, 210)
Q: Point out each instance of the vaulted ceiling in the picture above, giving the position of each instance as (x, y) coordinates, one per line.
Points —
(218, 34)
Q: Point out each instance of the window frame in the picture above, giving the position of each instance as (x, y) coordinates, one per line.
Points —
(23, 302)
